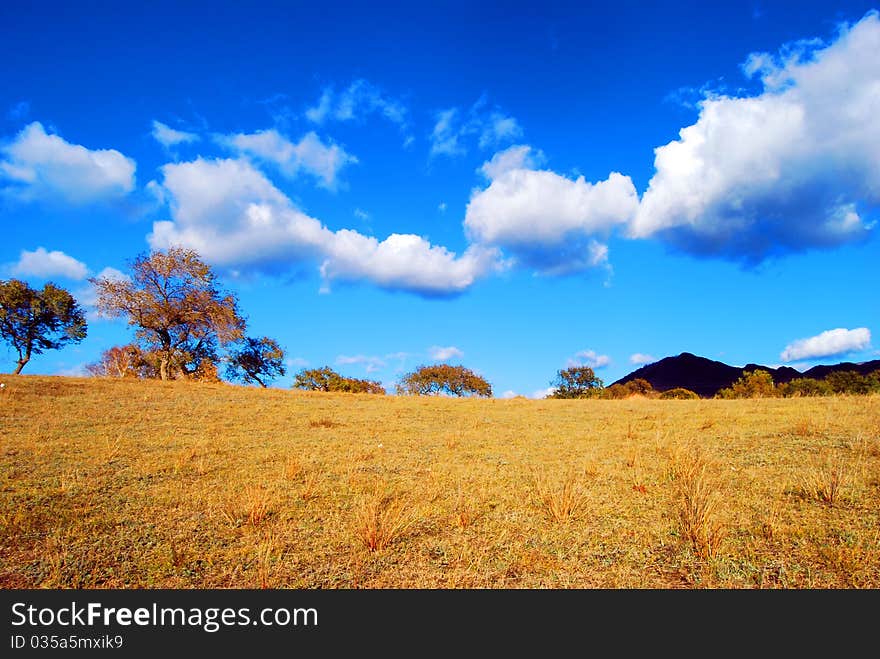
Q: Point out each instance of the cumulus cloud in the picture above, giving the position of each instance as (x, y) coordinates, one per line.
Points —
(46, 264)
(589, 358)
(406, 262)
(827, 344)
(169, 137)
(547, 221)
(310, 154)
(442, 354)
(792, 168)
(232, 215)
(640, 359)
(235, 217)
(38, 165)
(454, 129)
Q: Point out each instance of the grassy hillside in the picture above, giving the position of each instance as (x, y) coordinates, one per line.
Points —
(109, 483)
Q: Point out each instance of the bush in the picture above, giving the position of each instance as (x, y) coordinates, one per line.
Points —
(805, 387)
(848, 382)
(444, 379)
(679, 393)
(326, 379)
(753, 384)
(576, 382)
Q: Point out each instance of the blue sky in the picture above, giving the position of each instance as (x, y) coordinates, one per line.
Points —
(517, 188)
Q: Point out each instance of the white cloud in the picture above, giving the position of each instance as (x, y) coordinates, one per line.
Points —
(371, 364)
(520, 156)
(640, 359)
(360, 100)
(38, 165)
(445, 134)
(442, 354)
(498, 128)
(87, 295)
(441, 207)
(589, 358)
(543, 393)
(234, 217)
(45, 264)
(453, 129)
(793, 168)
(361, 214)
(406, 262)
(310, 154)
(296, 362)
(510, 393)
(827, 344)
(169, 137)
(547, 221)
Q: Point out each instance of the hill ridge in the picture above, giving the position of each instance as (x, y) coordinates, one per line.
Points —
(706, 376)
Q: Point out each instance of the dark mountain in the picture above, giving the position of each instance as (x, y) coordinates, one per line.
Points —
(705, 376)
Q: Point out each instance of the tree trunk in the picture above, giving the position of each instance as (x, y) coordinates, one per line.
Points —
(163, 368)
(21, 363)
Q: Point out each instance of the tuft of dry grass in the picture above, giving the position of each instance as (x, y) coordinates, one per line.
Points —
(561, 498)
(697, 499)
(381, 518)
(828, 478)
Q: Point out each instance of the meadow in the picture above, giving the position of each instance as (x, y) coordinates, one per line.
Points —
(111, 483)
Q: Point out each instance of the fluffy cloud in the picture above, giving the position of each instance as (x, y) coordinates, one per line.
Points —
(406, 262)
(442, 354)
(38, 165)
(795, 167)
(45, 264)
(589, 358)
(169, 137)
(453, 128)
(547, 221)
(310, 154)
(234, 217)
(371, 364)
(827, 344)
(640, 359)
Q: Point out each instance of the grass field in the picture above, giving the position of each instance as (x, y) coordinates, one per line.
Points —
(130, 484)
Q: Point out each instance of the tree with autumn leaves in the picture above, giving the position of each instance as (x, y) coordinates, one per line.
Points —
(182, 320)
(444, 379)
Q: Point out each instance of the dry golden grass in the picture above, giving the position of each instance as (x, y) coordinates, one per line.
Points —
(126, 484)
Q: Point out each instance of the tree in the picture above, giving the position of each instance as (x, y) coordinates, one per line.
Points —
(753, 384)
(180, 314)
(848, 382)
(127, 361)
(805, 387)
(444, 378)
(32, 321)
(256, 360)
(575, 382)
(326, 379)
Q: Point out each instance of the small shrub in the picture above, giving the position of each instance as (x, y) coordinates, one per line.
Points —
(679, 393)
